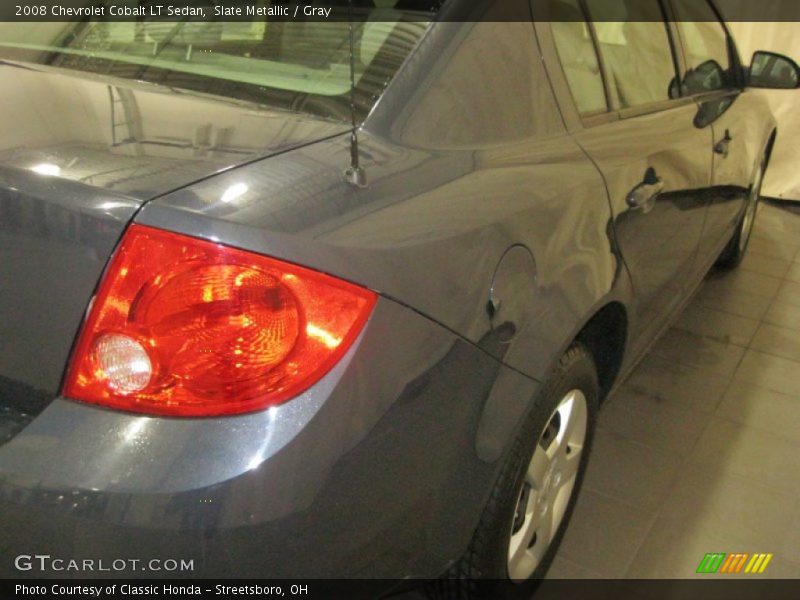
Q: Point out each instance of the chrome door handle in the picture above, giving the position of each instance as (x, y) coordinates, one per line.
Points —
(643, 195)
(723, 146)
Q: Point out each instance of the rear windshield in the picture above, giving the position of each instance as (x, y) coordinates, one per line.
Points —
(298, 65)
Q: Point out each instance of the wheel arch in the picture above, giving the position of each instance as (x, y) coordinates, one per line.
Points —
(605, 335)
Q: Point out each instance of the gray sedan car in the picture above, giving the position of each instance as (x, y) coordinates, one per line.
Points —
(341, 299)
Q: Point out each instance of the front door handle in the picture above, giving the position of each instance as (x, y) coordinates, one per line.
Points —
(723, 146)
(643, 196)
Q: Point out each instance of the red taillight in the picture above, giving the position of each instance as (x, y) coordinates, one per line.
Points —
(185, 327)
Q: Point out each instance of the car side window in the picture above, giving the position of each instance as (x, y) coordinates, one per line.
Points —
(490, 89)
(577, 55)
(634, 43)
(705, 43)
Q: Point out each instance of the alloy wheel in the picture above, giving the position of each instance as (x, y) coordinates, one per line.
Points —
(548, 485)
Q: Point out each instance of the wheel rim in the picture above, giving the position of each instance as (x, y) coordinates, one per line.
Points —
(750, 211)
(548, 485)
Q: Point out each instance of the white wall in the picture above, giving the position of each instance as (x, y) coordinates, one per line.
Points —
(783, 178)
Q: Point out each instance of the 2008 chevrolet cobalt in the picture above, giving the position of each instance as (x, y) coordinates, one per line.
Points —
(341, 299)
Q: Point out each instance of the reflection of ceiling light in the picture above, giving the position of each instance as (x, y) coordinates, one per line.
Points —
(112, 205)
(234, 192)
(47, 169)
(133, 430)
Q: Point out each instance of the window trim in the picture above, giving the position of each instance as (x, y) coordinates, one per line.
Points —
(573, 120)
(648, 107)
(563, 92)
(545, 30)
(601, 62)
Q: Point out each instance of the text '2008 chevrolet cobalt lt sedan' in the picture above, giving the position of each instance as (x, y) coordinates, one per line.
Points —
(341, 299)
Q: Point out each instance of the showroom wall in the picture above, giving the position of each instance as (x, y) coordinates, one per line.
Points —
(765, 26)
(783, 178)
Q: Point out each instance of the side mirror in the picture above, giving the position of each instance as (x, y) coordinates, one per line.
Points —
(773, 71)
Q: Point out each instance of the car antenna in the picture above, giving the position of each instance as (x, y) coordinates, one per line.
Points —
(355, 174)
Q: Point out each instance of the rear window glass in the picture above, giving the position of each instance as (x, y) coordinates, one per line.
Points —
(298, 65)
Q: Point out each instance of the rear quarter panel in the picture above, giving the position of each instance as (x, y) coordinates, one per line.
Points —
(463, 161)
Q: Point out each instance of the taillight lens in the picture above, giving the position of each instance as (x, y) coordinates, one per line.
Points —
(186, 327)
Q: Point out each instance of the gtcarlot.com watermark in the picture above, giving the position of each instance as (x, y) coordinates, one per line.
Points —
(45, 563)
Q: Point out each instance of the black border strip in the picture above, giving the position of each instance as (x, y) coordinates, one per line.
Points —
(18, 11)
(712, 587)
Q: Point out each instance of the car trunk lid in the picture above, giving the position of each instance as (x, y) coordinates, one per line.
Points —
(79, 155)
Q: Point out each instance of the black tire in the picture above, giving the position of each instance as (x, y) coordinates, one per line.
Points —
(483, 570)
(734, 251)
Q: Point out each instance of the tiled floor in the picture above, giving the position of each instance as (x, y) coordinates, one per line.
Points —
(700, 450)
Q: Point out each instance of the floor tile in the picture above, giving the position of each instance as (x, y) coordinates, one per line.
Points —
(711, 511)
(788, 546)
(672, 382)
(772, 372)
(745, 281)
(667, 426)
(778, 232)
(779, 341)
(709, 498)
(717, 325)
(604, 534)
(776, 224)
(765, 264)
(694, 351)
(789, 293)
(763, 409)
(742, 303)
(783, 315)
(757, 455)
(766, 243)
(674, 549)
(564, 568)
(793, 274)
(630, 472)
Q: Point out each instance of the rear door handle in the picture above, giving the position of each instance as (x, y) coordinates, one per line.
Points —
(723, 146)
(643, 196)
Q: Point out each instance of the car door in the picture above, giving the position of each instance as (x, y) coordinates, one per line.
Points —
(642, 136)
(711, 76)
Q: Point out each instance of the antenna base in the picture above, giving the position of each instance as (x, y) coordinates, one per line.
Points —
(356, 176)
